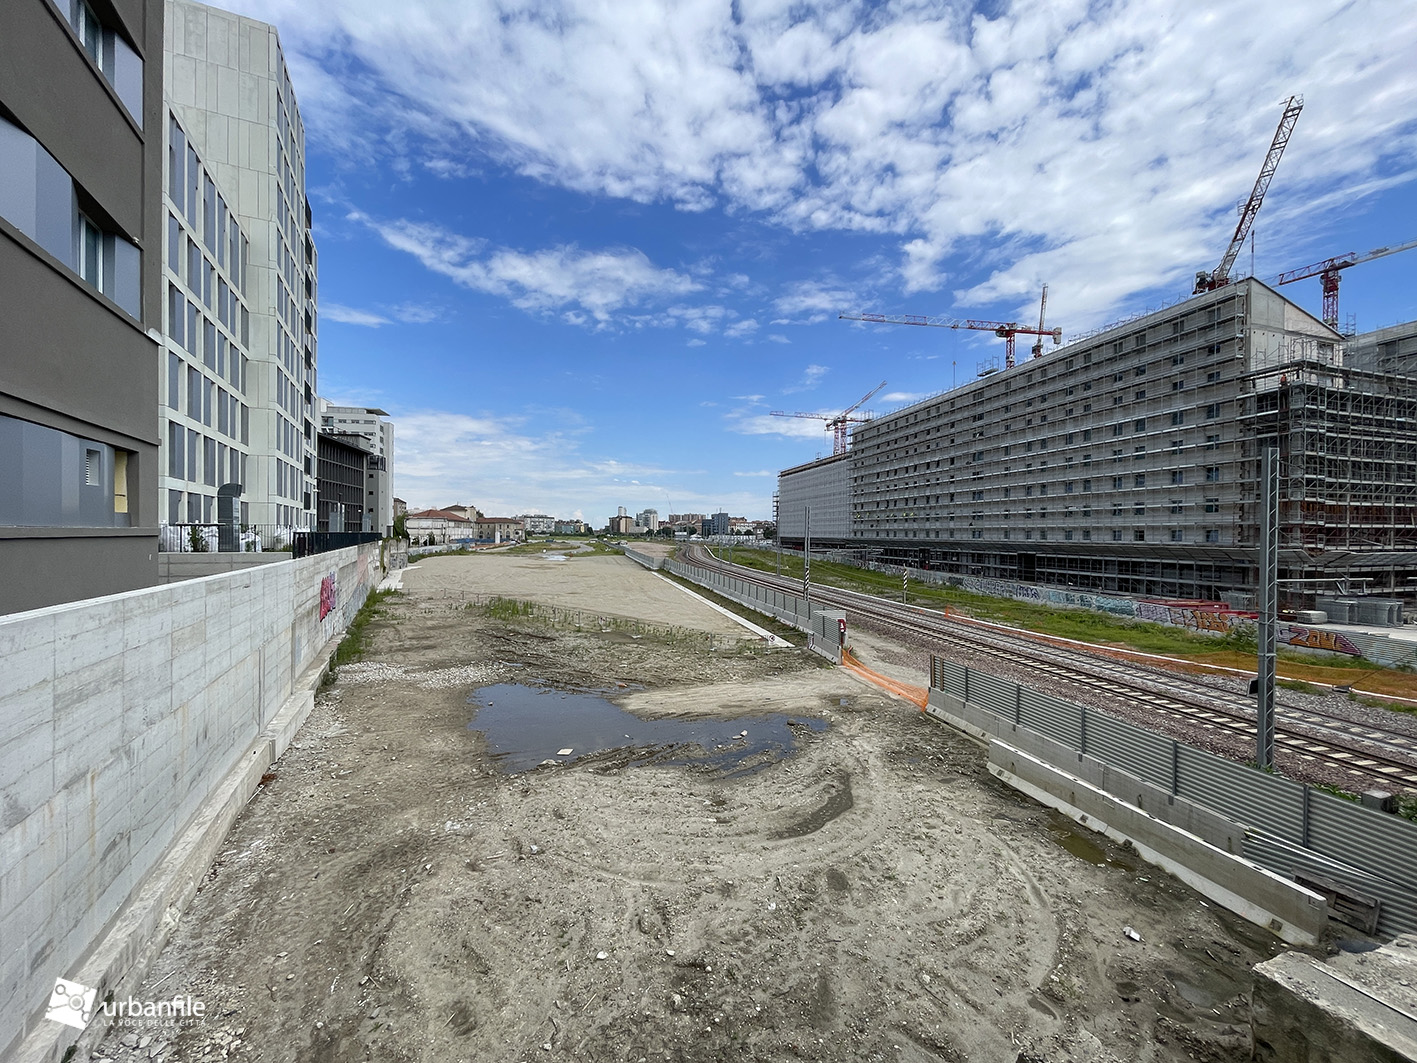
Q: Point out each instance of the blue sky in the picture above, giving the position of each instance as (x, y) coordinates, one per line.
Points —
(580, 251)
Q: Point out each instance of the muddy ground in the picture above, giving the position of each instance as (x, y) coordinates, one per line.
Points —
(391, 893)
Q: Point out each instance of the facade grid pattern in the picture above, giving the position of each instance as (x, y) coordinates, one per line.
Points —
(1128, 461)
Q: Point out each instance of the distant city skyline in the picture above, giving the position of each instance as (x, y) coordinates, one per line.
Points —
(580, 255)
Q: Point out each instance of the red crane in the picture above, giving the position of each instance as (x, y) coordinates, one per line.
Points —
(840, 422)
(1327, 272)
(1005, 330)
(1220, 276)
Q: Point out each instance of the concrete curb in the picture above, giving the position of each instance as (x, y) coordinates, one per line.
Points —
(138, 933)
(771, 639)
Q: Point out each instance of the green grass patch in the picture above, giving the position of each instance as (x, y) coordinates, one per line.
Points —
(516, 611)
(1080, 624)
(356, 637)
(1236, 649)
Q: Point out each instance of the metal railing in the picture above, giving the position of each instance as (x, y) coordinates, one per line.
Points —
(256, 538)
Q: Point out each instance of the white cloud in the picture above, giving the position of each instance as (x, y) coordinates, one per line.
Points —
(348, 315)
(811, 377)
(507, 465)
(559, 278)
(759, 472)
(902, 397)
(408, 313)
(1099, 146)
(792, 427)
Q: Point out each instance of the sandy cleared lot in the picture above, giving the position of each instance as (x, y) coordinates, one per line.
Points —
(862, 891)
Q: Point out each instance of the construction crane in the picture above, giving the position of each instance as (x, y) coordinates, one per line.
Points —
(1220, 276)
(1327, 272)
(1005, 330)
(838, 424)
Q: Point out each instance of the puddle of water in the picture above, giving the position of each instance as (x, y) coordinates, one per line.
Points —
(1076, 841)
(1356, 945)
(525, 725)
(554, 557)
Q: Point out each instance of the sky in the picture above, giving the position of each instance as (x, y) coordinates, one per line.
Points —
(581, 251)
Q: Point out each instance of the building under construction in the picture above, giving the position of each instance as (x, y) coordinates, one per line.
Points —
(1128, 461)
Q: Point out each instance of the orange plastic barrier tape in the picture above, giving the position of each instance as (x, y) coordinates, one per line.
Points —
(916, 695)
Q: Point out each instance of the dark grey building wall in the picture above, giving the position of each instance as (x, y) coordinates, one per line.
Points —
(72, 359)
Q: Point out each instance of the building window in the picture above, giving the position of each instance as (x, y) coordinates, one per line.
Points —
(1178, 417)
(1212, 411)
(1139, 535)
(1116, 535)
(1140, 480)
(1178, 476)
(1177, 535)
(1139, 425)
(1212, 535)
(1212, 505)
(1212, 474)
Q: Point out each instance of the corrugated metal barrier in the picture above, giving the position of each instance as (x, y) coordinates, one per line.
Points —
(1289, 827)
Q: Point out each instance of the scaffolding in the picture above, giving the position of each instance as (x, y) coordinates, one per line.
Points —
(1347, 443)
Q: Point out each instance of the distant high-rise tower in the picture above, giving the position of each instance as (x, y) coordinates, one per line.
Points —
(370, 423)
(239, 376)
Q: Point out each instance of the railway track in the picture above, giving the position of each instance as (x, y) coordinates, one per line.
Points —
(1360, 750)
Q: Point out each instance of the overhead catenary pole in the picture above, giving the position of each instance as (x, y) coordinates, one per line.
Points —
(1269, 603)
(807, 563)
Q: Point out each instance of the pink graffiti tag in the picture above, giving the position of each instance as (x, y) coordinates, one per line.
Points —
(327, 595)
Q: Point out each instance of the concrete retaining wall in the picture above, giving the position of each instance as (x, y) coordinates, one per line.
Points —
(1290, 911)
(119, 717)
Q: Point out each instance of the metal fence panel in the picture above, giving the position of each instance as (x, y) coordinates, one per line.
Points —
(947, 676)
(997, 695)
(1058, 719)
(1138, 752)
(1243, 793)
(1397, 913)
(1381, 844)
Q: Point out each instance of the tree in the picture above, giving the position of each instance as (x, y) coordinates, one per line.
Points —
(401, 526)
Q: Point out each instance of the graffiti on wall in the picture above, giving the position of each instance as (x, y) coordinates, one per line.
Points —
(328, 595)
(1192, 617)
(1316, 639)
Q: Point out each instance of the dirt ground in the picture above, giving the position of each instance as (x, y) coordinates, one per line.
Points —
(392, 894)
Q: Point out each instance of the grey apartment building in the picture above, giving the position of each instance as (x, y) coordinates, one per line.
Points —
(371, 424)
(81, 138)
(238, 396)
(1128, 461)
